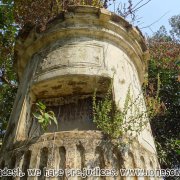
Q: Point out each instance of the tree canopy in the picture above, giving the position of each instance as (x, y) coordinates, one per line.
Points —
(164, 65)
(8, 82)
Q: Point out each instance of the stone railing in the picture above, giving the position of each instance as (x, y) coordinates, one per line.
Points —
(77, 150)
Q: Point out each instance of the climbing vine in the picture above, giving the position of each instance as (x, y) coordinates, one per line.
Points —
(127, 122)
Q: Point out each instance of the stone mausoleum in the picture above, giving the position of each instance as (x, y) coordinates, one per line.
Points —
(82, 50)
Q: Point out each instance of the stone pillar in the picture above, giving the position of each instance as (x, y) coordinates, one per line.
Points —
(79, 52)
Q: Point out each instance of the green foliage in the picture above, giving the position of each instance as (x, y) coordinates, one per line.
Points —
(164, 64)
(8, 79)
(153, 102)
(43, 116)
(178, 144)
(102, 116)
(116, 123)
(7, 95)
(175, 24)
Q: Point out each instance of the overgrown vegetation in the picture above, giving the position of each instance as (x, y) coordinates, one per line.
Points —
(40, 12)
(118, 123)
(8, 79)
(44, 117)
(165, 64)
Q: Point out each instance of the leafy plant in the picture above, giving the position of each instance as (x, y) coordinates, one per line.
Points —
(153, 103)
(164, 63)
(44, 117)
(116, 123)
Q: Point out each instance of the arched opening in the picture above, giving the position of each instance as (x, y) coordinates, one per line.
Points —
(26, 163)
(43, 161)
(62, 162)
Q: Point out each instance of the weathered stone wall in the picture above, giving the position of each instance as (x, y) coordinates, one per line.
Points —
(78, 53)
(79, 149)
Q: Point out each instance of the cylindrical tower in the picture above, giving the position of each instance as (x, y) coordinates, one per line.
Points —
(85, 48)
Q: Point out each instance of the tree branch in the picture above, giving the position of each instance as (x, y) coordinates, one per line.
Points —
(5, 80)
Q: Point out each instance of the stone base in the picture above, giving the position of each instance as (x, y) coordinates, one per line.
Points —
(77, 150)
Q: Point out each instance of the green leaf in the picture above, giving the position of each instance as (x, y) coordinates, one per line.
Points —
(41, 105)
(41, 120)
(46, 116)
(55, 120)
(51, 113)
(37, 115)
(178, 151)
